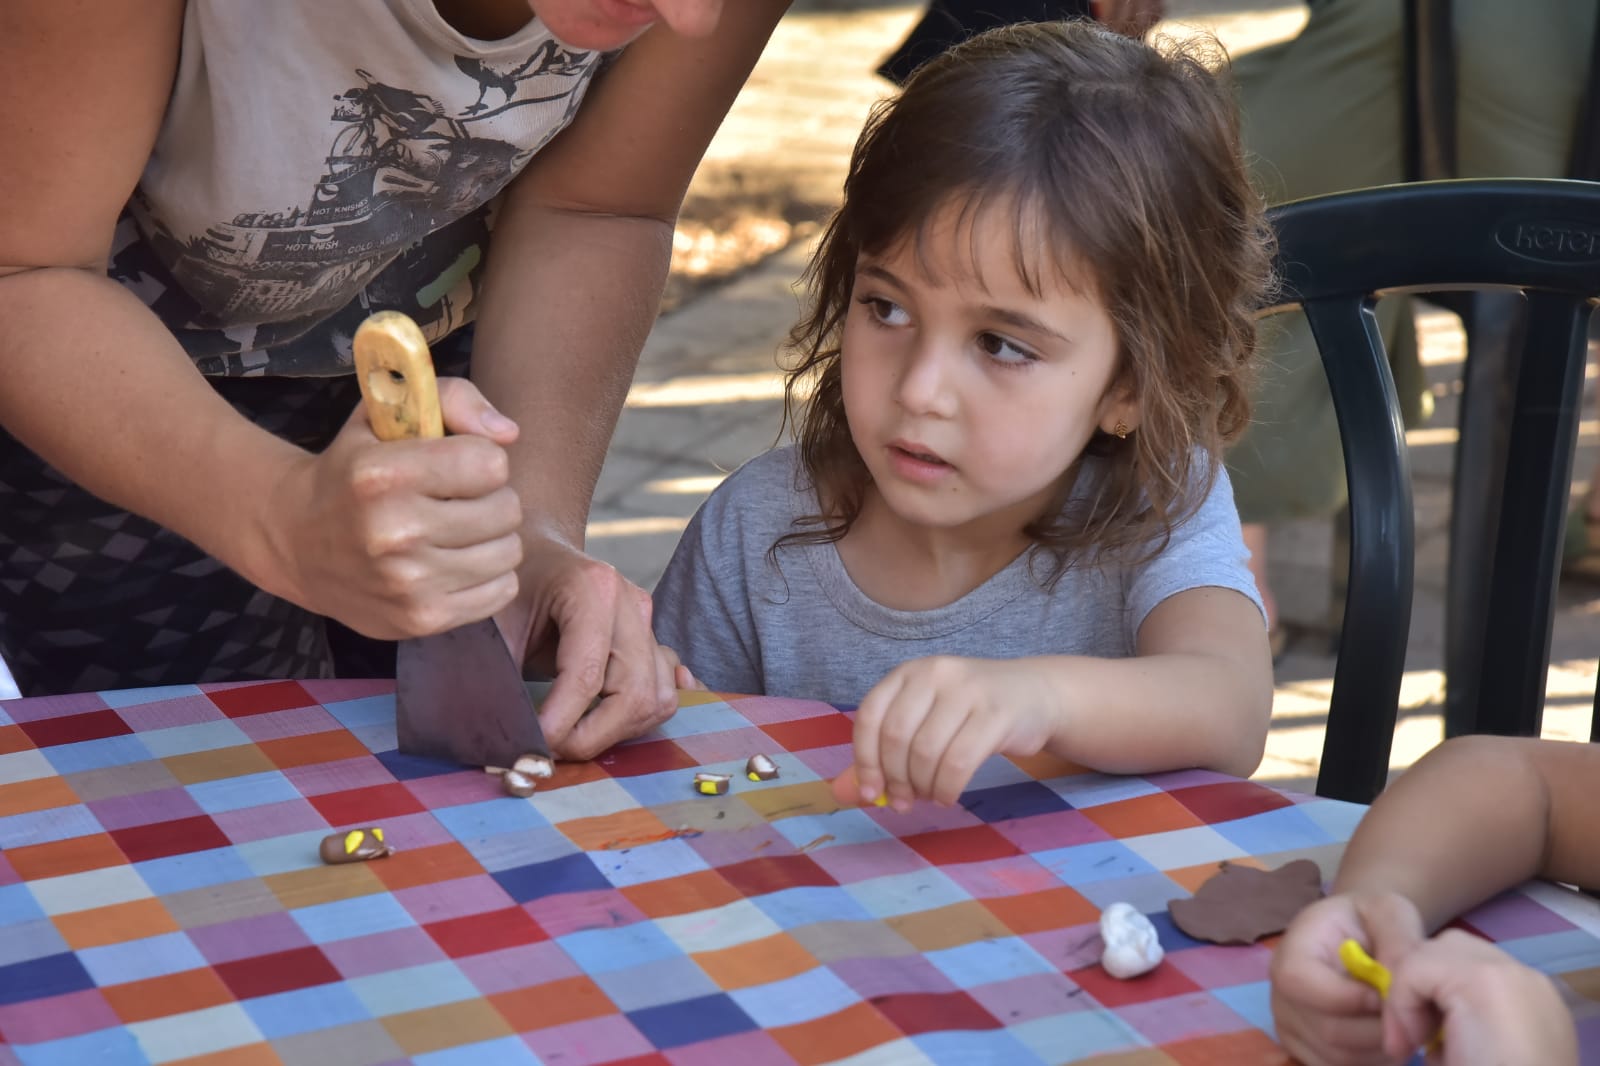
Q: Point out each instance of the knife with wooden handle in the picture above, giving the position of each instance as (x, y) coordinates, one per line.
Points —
(458, 695)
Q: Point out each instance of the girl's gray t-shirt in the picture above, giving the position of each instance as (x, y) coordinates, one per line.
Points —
(794, 624)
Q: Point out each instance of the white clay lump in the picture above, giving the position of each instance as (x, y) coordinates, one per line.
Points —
(1132, 946)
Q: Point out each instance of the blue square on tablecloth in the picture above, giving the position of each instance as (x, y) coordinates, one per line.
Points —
(42, 827)
(572, 873)
(601, 950)
(663, 859)
(812, 994)
(507, 851)
(1076, 1035)
(668, 786)
(907, 893)
(792, 908)
(345, 919)
(1563, 952)
(18, 904)
(198, 736)
(504, 1051)
(1096, 860)
(33, 938)
(698, 720)
(282, 854)
(133, 697)
(690, 1021)
(650, 984)
(117, 1046)
(196, 869)
(135, 960)
(1284, 829)
(467, 821)
(429, 984)
(1172, 938)
(410, 767)
(986, 962)
(236, 793)
(322, 1007)
(366, 711)
(98, 754)
(1252, 1002)
(844, 827)
(49, 975)
(1021, 800)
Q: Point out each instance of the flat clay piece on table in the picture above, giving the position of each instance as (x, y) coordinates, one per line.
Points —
(1240, 904)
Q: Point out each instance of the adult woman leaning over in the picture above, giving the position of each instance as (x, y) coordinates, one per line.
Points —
(202, 201)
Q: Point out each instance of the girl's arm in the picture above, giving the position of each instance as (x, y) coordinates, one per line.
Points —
(1197, 693)
(574, 278)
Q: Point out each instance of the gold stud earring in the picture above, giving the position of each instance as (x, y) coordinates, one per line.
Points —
(1121, 430)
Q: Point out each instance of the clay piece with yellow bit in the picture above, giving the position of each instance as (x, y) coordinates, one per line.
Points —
(709, 784)
(355, 845)
(760, 768)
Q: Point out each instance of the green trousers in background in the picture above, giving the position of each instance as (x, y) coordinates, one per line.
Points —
(1323, 113)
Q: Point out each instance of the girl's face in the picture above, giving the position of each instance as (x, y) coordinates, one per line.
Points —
(601, 25)
(968, 396)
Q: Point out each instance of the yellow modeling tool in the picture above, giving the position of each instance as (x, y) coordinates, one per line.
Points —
(1370, 971)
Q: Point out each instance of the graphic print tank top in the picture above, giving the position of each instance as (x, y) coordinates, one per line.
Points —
(319, 161)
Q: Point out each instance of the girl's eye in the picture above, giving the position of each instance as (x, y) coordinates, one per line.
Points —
(886, 312)
(1004, 351)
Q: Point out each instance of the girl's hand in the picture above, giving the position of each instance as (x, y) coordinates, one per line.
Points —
(926, 727)
(403, 538)
(1323, 1016)
(1493, 1008)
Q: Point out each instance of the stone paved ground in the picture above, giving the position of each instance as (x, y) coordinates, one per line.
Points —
(708, 395)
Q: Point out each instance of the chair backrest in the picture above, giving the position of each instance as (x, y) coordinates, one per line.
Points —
(1336, 254)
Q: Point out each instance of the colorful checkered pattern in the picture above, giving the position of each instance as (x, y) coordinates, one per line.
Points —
(161, 898)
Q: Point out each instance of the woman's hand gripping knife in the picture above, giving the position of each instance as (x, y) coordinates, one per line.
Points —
(394, 541)
(1472, 818)
(1197, 693)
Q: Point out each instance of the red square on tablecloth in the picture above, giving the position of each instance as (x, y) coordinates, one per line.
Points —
(475, 934)
(366, 806)
(177, 837)
(928, 1012)
(259, 699)
(651, 757)
(823, 731)
(1227, 800)
(1163, 982)
(75, 728)
(975, 843)
(282, 971)
(774, 873)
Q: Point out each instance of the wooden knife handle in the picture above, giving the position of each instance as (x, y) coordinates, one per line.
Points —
(395, 373)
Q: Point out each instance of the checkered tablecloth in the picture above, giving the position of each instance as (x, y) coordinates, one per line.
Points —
(161, 898)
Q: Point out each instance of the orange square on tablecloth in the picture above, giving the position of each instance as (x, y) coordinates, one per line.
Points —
(468, 1021)
(629, 827)
(13, 739)
(967, 922)
(411, 867)
(1192, 877)
(1039, 912)
(241, 760)
(73, 855)
(169, 994)
(311, 748)
(1243, 1047)
(696, 891)
(771, 958)
(115, 924)
(571, 999)
(1141, 815)
(855, 1029)
(39, 794)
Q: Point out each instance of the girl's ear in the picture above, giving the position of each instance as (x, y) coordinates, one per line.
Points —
(1119, 410)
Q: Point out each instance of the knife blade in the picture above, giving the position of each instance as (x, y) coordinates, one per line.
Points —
(459, 695)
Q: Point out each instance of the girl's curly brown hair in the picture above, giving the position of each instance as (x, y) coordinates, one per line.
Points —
(1130, 155)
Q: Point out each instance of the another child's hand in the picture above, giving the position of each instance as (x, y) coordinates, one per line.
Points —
(1323, 1016)
(1493, 1008)
(926, 727)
